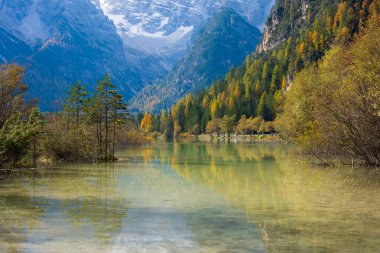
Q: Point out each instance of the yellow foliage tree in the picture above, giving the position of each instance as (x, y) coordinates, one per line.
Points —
(146, 122)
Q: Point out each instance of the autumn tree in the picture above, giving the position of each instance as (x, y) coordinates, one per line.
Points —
(20, 121)
(332, 111)
(214, 126)
(243, 125)
(12, 92)
(228, 124)
(146, 123)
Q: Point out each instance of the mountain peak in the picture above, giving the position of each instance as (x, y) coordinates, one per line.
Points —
(226, 32)
(166, 27)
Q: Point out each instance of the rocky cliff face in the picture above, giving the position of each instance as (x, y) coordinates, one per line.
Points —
(275, 31)
(267, 41)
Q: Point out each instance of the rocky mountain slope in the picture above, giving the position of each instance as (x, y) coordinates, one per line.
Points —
(225, 42)
(165, 28)
(59, 44)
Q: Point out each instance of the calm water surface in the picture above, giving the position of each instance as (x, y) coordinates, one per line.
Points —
(193, 198)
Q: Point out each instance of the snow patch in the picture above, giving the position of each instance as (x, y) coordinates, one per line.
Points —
(164, 22)
(145, 30)
(158, 43)
(109, 11)
(32, 27)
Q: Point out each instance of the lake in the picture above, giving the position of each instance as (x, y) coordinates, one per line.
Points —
(192, 197)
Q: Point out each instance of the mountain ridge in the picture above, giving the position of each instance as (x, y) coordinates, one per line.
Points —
(226, 32)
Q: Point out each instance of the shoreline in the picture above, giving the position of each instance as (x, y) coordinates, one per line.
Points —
(266, 138)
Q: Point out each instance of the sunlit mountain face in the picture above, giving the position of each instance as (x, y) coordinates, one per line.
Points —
(137, 42)
(165, 27)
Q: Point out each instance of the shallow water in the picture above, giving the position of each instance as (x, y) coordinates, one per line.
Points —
(192, 198)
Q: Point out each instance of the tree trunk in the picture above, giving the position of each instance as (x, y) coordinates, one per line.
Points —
(77, 118)
(106, 130)
(100, 136)
(113, 139)
(34, 152)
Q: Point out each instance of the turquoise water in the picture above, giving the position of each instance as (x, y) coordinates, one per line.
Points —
(192, 198)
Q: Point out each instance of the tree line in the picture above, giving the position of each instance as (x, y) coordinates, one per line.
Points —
(169, 128)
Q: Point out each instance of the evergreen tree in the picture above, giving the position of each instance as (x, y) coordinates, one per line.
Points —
(77, 102)
(101, 111)
(163, 121)
(120, 115)
(169, 128)
(262, 108)
(18, 135)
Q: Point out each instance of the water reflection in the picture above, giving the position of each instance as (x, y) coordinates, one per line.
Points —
(297, 208)
(74, 203)
(293, 206)
(192, 198)
(19, 213)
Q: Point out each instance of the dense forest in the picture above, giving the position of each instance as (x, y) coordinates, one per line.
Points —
(249, 98)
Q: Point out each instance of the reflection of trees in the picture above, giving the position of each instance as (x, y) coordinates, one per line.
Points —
(244, 175)
(20, 212)
(297, 208)
(334, 206)
(87, 193)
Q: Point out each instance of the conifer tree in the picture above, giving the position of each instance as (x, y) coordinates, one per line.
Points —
(162, 121)
(262, 110)
(119, 110)
(77, 101)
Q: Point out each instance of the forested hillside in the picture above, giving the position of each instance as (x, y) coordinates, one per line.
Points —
(332, 110)
(298, 34)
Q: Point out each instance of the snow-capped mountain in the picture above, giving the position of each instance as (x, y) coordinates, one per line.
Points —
(165, 27)
(136, 41)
